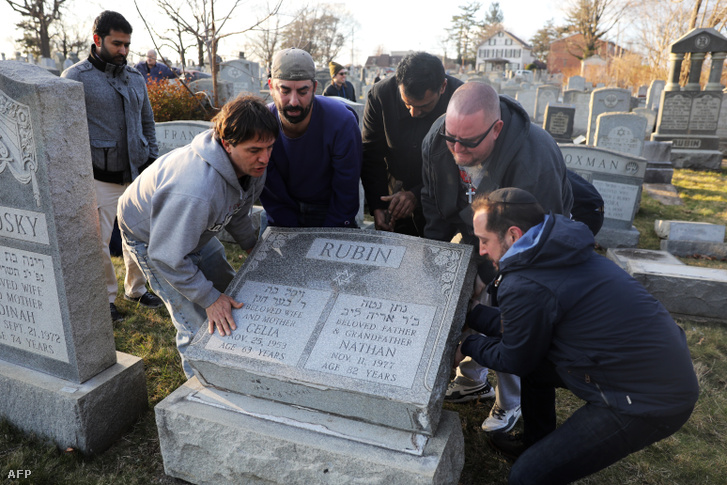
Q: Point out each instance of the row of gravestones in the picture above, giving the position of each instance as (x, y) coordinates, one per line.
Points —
(57, 64)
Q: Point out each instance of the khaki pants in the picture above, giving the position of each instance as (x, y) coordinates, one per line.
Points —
(107, 197)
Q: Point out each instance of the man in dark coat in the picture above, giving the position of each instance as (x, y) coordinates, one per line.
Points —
(557, 325)
(399, 111)
(339, 85)
(486, 142)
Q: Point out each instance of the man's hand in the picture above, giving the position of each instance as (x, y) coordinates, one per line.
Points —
(458, 356)
(380, 221)
(219, 315)
(401, 204)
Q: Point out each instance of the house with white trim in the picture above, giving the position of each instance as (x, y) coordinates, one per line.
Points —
(503, 52)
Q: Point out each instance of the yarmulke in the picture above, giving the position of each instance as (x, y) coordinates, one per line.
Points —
(293, 65)
(512, 195)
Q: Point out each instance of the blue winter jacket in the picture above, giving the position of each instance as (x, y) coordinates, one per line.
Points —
(611, 342)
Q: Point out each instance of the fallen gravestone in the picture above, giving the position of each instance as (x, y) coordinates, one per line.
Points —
(701, 291)
(338, 355)
(618, 178)
(689, 239)
(60, 375)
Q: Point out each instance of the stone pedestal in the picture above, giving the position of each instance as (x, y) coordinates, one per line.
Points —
(88, 417)
(213, 437)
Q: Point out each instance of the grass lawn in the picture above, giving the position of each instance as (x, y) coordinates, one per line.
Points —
(695, 455)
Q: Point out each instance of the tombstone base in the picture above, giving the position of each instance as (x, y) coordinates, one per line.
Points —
(688, 249)
(696, 159)
(220, 444)
(609, 237)
(701, 291)
(88, 417)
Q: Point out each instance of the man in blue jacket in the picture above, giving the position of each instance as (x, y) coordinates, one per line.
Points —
(314, 171)
(153, 70)
(568, 317)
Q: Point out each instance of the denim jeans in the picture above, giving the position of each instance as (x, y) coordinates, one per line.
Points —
(187, 316)
(593, 438)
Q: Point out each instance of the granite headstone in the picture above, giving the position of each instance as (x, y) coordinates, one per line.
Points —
(605, 100)
(332, 325)
(654, 94)
(559, 122)
(618, 178)
(175, 134)
(60, 374)
(580, 101)
(544, 95)
(621, 132)
(243, 74)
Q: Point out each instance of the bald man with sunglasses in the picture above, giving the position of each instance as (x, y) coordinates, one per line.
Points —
(482, 143)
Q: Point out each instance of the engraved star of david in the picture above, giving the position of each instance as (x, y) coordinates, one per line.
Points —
(343, 277)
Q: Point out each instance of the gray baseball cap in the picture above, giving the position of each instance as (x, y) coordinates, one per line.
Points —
(293, 65)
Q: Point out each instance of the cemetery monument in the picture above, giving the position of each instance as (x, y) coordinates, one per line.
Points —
(618, 178)
(60, 374)
(688, 117)
(337, 370)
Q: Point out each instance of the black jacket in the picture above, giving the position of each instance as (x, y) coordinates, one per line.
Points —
(346, 91)
(392, 140)
(612, 343)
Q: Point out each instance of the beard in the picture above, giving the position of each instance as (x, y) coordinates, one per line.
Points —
(118, 60)
(296, 118)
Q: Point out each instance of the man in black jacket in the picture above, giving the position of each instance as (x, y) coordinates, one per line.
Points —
(486, 142)
(568, 317)
(398, 114)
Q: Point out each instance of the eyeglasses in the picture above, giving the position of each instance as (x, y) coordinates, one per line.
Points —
(465, 143)
(342, 73)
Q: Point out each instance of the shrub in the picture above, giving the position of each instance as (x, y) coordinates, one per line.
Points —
(170, 100)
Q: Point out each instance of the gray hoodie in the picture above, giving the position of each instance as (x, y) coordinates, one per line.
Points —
(183, 200)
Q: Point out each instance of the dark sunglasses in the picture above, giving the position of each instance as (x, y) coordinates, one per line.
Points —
(464, 143)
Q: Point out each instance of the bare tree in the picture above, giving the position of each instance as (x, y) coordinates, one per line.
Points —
(318, 30)
(40, 16)
(68, 37)
(198, 19)
(264, 43)
(593, 19)
(657, 24)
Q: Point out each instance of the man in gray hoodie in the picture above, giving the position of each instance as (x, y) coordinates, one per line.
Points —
(122, 135)
(170, 214)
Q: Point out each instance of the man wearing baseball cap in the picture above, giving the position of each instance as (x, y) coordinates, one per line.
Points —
(557, 325)
(339, 85)
(314, 170)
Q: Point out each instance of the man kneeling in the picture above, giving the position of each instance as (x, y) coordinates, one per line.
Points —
(169, 216)
(568, 317)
